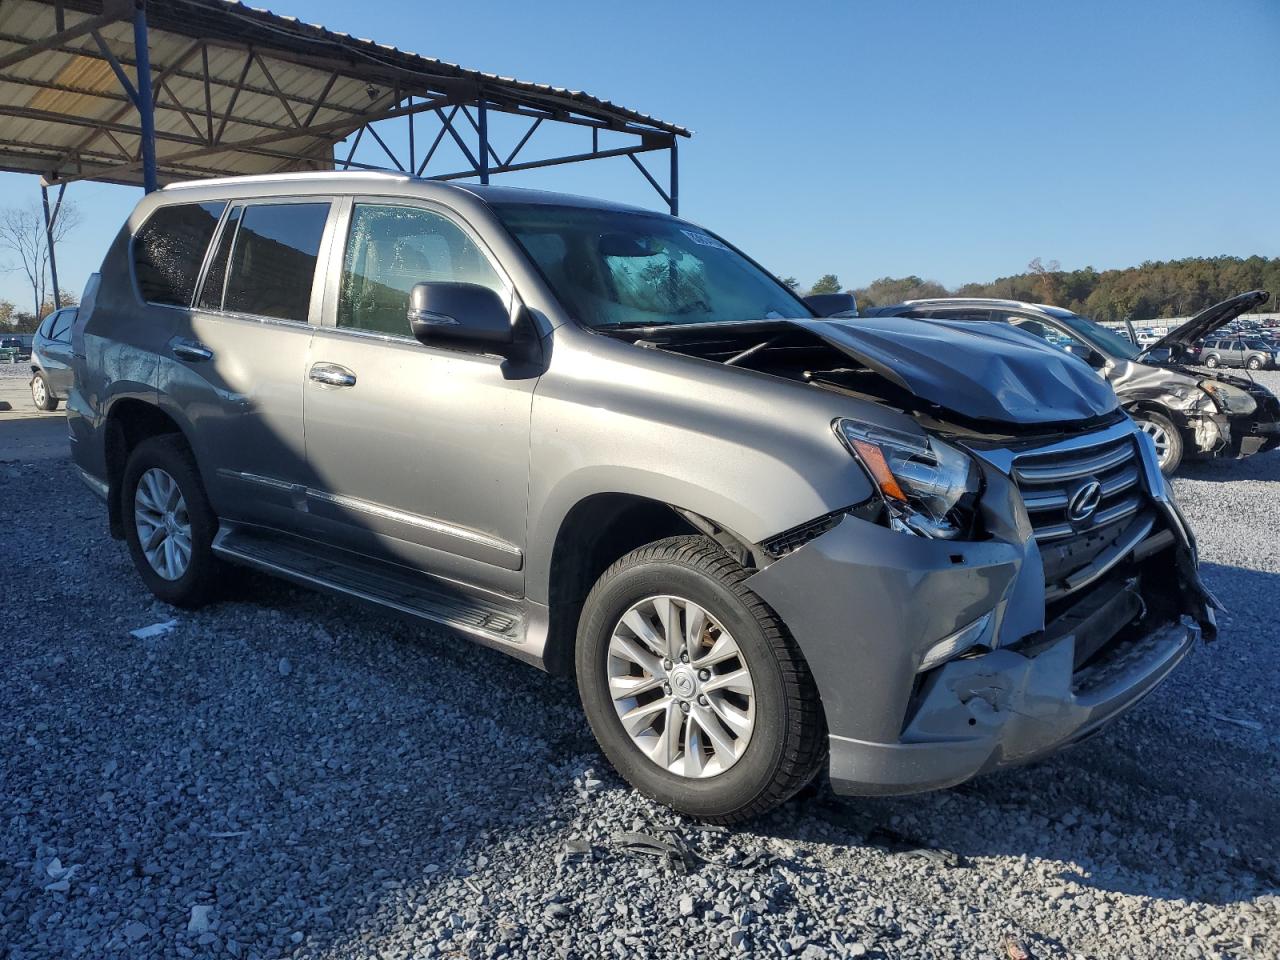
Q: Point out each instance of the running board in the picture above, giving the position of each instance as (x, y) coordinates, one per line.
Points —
(386, 585)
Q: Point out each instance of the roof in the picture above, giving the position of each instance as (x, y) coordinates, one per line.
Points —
(341, 181)
(237, 90)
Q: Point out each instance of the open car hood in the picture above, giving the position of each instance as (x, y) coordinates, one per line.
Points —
(1208, 320)
(980, 370)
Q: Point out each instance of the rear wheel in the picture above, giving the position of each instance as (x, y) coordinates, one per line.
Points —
(1211, 362)
(41, 395)
(693, 687)
(1164, 434)
(168, 523)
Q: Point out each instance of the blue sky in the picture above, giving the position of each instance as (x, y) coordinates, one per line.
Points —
(951, 140)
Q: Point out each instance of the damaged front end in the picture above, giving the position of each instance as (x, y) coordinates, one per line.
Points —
(941, 659)
(1012, 584)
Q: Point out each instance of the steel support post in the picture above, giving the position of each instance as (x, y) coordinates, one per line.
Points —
(48, 239)
(483, 122)
(674, 191)
(146, 105)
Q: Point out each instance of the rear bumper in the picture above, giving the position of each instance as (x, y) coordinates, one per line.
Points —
(1003, 709)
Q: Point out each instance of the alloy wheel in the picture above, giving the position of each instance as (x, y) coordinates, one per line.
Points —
(681, 687)
(38, 393)
(1159, 436)
(163, 524)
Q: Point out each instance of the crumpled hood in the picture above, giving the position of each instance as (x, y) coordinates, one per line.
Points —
(988, 371)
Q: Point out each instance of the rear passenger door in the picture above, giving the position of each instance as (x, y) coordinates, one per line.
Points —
(238, 371)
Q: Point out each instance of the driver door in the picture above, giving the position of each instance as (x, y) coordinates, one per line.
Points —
(416, 454)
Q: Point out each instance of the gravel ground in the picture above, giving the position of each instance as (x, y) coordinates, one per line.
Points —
(288, 775)
(15, 371)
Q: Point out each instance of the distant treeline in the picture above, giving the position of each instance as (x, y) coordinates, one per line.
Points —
(1159, 288)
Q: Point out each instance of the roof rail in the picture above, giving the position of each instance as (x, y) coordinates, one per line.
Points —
(379, 175)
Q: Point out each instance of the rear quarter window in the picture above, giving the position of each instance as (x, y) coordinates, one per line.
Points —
(168, 251)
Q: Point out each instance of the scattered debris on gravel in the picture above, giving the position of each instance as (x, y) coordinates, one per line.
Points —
(288, 775)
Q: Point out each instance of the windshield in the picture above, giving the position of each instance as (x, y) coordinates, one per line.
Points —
(1102, 338)
(610, 268)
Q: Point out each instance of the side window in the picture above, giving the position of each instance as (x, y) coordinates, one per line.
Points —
(1045, 331)
(965, 314)
(61, 329)
(46, 326)
(215, 278)
(273, 260)
(168, 251)
(390, 248)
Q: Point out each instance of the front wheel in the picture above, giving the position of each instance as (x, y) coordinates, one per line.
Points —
(168, 523)
(41, 395)
(1255, 363)
(1164, 434)
(693, 687)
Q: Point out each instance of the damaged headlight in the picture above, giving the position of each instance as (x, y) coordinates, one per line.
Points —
(921, 479)
(1229, 398)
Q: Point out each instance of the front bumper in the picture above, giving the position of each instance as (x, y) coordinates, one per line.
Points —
(1003, 709)
(865, 603)
(1254, 433)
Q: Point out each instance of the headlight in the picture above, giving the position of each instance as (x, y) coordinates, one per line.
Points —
(1230, 399)
(920, 478)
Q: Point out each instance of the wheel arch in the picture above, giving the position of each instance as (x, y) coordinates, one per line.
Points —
(128, 422)
(596, 531)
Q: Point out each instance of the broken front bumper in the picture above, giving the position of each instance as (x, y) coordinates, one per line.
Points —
(866, 603)
(1253, 434)
(1003, 709)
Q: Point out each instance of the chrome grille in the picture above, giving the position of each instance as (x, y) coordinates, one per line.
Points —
(1048, 481)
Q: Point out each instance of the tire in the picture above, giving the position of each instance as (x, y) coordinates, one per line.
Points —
(1212, 362)
(1165, 435)
(786, 743)
(41, 394)
(1255, 363)
(170, 456)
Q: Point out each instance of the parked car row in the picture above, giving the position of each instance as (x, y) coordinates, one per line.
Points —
(767, 536)
(1186, 413)
(1248, 353)
(15, 348)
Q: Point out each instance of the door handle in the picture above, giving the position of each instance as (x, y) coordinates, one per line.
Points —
(332, 375)
(191, 351)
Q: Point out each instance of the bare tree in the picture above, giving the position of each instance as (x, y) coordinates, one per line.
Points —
(1047, 274)
(23, 237)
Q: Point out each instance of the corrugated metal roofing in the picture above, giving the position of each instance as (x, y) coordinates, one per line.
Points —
(297, 88)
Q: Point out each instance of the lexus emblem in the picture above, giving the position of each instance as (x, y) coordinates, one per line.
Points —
(1084, 501)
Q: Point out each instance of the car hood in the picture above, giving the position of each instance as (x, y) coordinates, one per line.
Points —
(983, 371)
(1208, 320)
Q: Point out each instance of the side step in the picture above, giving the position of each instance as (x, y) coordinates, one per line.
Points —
(382, 584)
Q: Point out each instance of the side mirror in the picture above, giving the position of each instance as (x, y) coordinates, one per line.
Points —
(832, 304)
(1091, 357)
(459, 313)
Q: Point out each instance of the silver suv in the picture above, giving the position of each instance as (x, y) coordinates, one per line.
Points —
(606, 442)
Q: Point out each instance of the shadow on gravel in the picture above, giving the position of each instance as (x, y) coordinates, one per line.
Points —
(1176, 800)
(1260, 467)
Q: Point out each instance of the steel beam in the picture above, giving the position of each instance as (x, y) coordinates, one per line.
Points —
(146, 106)
(113, 10)
(674, 184)
(49, 221)
(551, 162)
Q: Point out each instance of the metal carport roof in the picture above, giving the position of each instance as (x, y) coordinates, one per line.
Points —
(230, 90)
